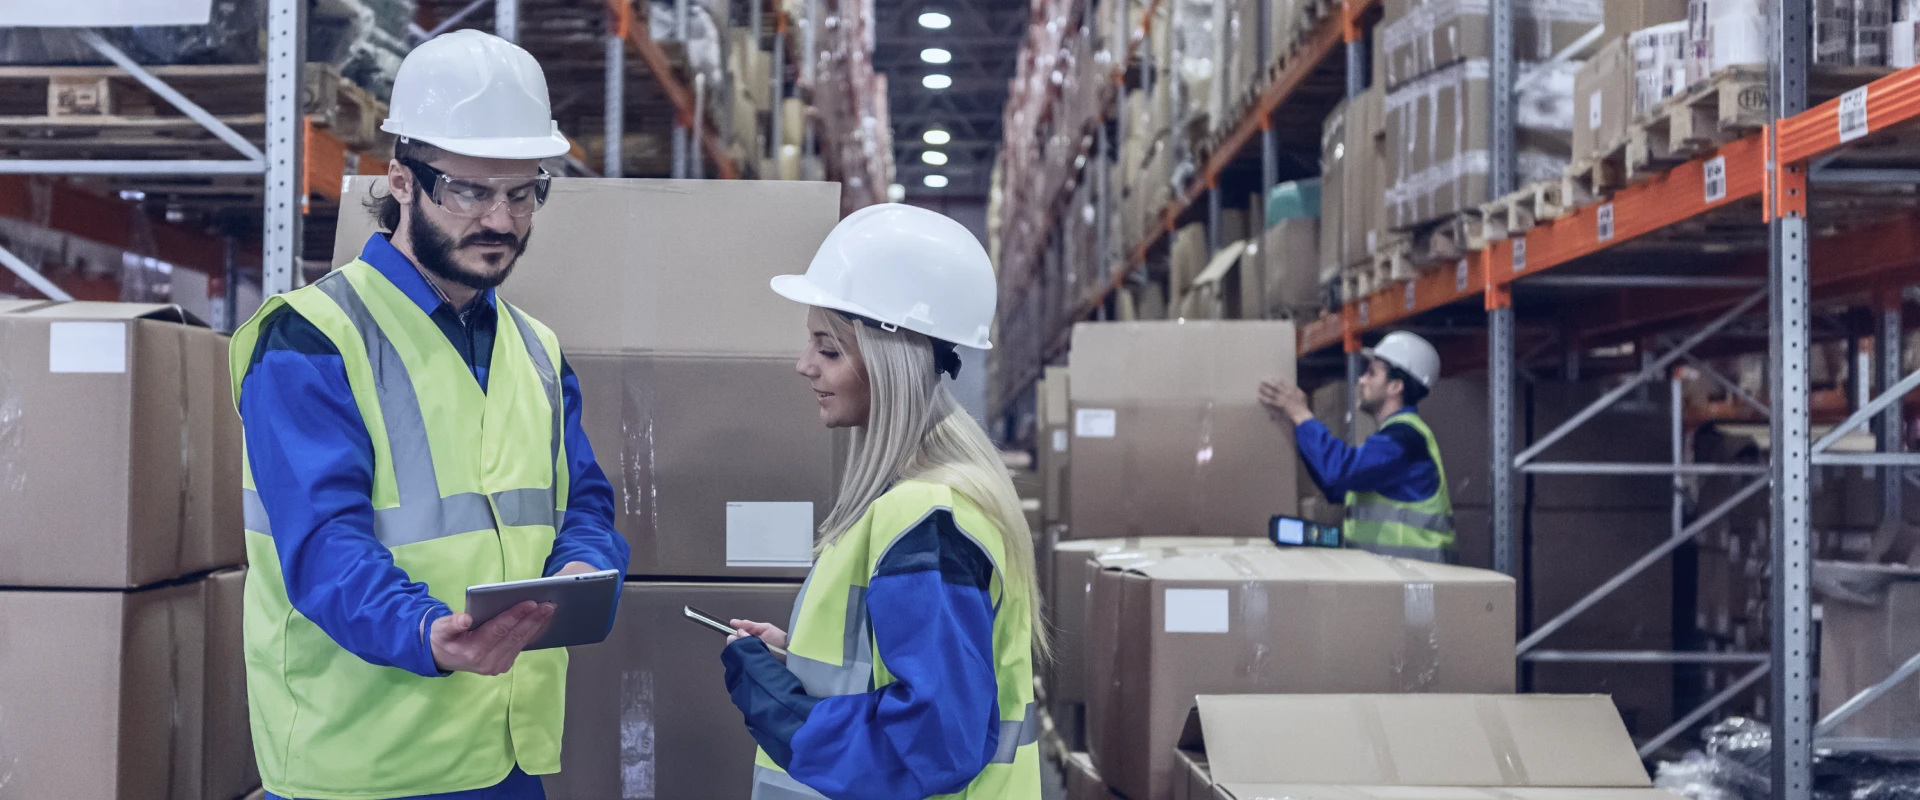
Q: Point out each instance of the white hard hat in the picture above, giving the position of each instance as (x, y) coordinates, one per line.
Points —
(1412, 354)
(476, 94)
(902, 266)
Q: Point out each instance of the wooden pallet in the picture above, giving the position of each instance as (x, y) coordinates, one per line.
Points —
(1727, 106)
(1393, 257)
(1518, 212)
(341, 106)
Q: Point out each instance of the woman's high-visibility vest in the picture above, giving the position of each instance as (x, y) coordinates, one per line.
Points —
(1422, 529)
(468, 488)
(831, 650)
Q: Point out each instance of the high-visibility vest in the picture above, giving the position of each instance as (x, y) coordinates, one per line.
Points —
(831, 650)
(1422, 529)
(468, 487)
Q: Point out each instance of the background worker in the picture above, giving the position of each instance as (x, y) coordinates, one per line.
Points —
(909, 666)
(1393, 484)
(410, 434)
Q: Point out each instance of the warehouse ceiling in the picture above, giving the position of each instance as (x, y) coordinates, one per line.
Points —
(983, 42)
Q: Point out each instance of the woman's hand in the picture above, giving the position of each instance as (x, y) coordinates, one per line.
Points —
(765, 631)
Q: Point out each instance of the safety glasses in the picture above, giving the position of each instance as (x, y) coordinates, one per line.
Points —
(477, 197)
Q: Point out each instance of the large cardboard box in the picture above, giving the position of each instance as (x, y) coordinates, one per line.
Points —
(125, 695)
(1071, 567)
(1366, 174)
(1625, 16)
(1602, 97)
(1054, 445)
(1290, 251)
(1435, 747)
(1291, 621)
(1169, 436)
(1437, 134)
(658, 291)
(119, 450)
(1333, 187)
(647, 710)
(1870, 625)
(1083, 781)
(1421, 36)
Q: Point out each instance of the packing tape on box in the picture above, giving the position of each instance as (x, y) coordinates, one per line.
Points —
(1506, 751)
(1365, 710)
(184, 496)
(1256, 652)
(639, 492)
(1417, 664)
(637, 751)
(13, 473)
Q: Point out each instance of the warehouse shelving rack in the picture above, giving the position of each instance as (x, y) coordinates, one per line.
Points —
(1757, 182)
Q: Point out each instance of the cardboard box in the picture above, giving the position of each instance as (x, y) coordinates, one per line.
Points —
(647, 710)
(1291, 621)
(1625, 16)
(1068, 583)
(1434, 747)
(678, 267)
(1868, 629)
(1290, 250)
(1602, 95)
(1169, 436)
(1083, 781)
(1187, 257)
(1333, 182)
(125, 695)
(1659, 66)
(656, 340)
(120, 459)
(1054, 445)
(1421, 36)
(1437, 135)
(706, 488)
(1366, 174)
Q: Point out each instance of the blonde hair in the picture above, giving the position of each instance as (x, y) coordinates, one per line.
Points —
(916, 431)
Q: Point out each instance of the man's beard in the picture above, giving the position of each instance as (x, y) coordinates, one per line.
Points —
(433, 248)
(1371, 406)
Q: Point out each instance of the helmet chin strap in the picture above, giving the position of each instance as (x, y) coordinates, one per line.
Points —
(946, 355)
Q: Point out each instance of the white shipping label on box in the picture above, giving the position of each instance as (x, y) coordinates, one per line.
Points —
(1197, 611)
(769, 534)
(95, 347)
(1593, 111)
(104, 13)
(1060, 440)
(1095, 423)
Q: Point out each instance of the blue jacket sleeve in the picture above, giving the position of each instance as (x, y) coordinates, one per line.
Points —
(312, 464)
(933, 729)
(1382, 463)
(587, 534)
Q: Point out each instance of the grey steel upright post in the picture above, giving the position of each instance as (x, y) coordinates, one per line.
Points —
(775, 86)
(616, 105)
(681, 148)
(809, 56)
(1102, 204)
(282, 242)
(1269, 156)
(1890, 356)
(1500, 323)
(1356, 86)
(506, 19)
(1791, 697)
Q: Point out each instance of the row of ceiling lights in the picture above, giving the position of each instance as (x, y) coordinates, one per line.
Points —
(935, 81)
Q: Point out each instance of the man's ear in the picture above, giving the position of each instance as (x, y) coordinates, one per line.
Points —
(400, 181)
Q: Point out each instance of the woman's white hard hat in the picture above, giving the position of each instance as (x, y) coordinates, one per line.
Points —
(902, 267)
(475, 94)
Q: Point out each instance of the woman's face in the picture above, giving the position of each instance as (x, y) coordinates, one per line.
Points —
(838, 378)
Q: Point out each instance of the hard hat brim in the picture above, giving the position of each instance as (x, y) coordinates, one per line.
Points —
(512, 147)
(800, 290)
(1367, 352)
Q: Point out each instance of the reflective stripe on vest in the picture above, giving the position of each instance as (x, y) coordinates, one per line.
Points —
(1015, 734)
(423, 514)
(854, 673)
(1404, 516)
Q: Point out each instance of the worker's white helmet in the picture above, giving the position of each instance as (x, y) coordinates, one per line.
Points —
(902, 266)
(476, 94)
(1412, 354)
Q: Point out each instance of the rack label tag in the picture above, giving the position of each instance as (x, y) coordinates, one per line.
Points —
(1716, 182)
(1853, 114)
(1364, 305)
(1604, 224)
(1409, 295)
(1460, 275)
(1520, 254)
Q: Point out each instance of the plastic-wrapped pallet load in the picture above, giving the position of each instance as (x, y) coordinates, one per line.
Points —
(1333, 183)
(1722, 34)
(1421, 36)
(1290, 250)
(1436, 128)
(1659, 65)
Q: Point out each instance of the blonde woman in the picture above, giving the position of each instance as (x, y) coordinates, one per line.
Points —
(908, 664)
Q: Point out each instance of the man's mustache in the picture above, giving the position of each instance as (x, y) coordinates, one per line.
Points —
(484, 239)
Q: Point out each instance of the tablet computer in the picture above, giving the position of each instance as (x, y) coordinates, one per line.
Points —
(583, 605)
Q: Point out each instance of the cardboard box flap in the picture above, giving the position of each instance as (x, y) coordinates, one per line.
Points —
(9, 305)
(1566, 741)
(1178, 362)
(1222, 261)
(1146, 546)
(1324, 565)
(90, 310)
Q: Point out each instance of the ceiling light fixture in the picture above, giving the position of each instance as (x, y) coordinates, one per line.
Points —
(935, 55)
(937, 81)
(936, 137)
(935, 181)
(934, 157)
(896, 193)
(935, 20)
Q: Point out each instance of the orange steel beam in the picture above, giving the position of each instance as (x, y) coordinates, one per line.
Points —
(637, 33)
(1890, 101)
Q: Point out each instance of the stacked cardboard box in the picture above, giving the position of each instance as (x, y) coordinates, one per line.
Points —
(119, 476)
(1163, 630)
(1168, 434)
(1868, 631)
(1053, 444)
(720, 466)
(1335, 747)
(1624, 81)
(1289, 254)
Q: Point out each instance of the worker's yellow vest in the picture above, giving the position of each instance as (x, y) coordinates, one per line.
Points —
(1422, 529)
(830, 646)
(468, 486)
